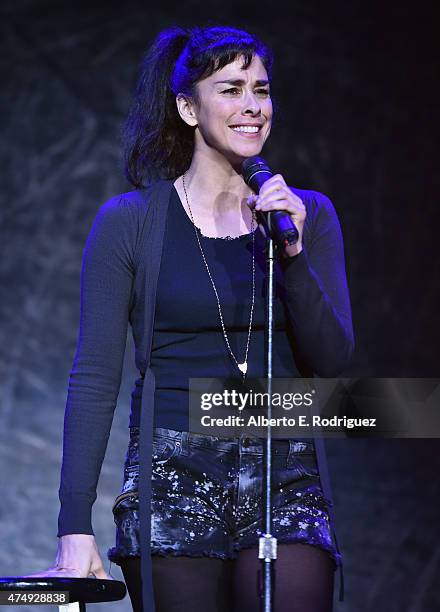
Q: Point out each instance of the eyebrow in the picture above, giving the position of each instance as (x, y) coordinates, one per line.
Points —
(258, 83)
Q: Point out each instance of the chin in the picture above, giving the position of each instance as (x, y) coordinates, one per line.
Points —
(238, 156)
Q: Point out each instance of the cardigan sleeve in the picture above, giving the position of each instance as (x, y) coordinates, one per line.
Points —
(317, 295)
(106, 284)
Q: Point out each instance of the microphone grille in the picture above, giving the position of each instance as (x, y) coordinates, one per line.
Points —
(252, 165)
(255, 172)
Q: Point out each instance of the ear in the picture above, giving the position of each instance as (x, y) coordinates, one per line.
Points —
(186, 109)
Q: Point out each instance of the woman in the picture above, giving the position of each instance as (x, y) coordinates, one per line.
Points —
(182, 260)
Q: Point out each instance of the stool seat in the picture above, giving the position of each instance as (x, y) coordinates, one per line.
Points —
(80, 590)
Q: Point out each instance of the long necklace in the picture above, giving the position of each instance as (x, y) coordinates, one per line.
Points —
(243, 366)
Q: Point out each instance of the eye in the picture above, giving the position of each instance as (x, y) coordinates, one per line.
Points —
(263, 92)
(231, 90)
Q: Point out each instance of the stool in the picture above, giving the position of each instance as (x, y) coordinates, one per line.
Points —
(80, 590)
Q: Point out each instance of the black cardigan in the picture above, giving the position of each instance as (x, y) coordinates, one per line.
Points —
(118, 285)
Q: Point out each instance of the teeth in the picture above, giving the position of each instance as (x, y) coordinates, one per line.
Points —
(245, 128)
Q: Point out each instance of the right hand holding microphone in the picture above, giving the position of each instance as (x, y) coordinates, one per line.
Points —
(276, 195)
(280, 212)
(77, 557)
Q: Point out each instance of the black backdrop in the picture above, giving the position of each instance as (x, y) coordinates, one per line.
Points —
(357, 85)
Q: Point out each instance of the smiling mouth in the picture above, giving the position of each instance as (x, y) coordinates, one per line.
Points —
(246, 129)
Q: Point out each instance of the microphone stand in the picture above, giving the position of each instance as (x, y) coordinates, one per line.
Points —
(267, 545)
(278, 225)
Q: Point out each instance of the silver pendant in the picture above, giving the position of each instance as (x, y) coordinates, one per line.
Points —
(242, 367)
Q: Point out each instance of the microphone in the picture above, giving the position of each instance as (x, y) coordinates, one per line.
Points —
(277, 223)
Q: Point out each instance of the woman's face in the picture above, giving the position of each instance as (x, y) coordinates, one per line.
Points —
(233, 112)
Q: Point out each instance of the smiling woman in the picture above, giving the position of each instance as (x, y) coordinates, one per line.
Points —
(182, 260)
(230, 124)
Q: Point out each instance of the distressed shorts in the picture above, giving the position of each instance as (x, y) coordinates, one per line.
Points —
(207, 496)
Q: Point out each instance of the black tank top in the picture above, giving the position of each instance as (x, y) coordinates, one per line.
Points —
(188, 340)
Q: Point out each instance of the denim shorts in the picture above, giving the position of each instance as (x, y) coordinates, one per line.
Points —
(207, 496)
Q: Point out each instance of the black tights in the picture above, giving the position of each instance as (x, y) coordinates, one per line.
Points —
(304, 582)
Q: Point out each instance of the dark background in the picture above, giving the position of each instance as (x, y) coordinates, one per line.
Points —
(357, 85)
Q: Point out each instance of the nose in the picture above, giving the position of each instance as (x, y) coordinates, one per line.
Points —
(251, 104)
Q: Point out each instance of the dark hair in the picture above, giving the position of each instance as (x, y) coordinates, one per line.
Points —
(157, 142)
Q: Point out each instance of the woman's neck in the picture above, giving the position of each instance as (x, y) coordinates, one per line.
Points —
(216, 179)
(217, 196)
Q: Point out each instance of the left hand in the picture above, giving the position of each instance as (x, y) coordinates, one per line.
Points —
(275, 194)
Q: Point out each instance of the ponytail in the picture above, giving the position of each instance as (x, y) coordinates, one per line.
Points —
(157, 141)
